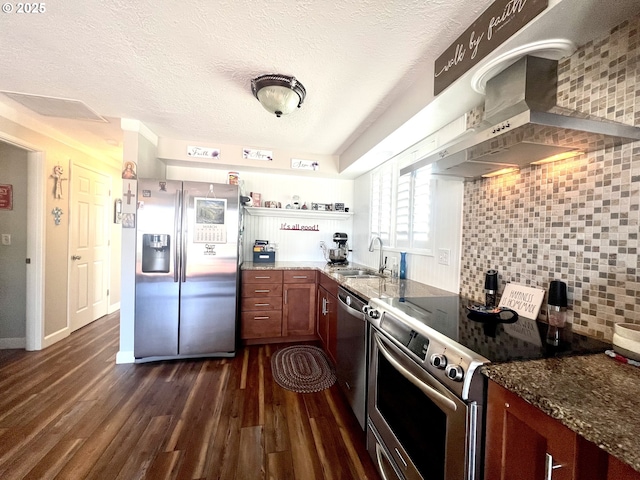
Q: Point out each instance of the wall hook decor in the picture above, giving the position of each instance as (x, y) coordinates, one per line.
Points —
(58, 171)
(57, 213)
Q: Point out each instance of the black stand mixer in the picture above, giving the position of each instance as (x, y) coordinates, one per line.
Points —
(338, 255)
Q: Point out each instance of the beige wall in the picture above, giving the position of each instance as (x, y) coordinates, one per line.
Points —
(57, 236)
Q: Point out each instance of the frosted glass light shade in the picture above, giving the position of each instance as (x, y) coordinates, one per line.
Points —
(278, 94)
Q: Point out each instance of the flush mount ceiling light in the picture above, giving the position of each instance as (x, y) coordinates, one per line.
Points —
(278, 94)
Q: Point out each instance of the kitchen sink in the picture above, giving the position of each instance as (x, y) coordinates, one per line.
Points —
(359, 273)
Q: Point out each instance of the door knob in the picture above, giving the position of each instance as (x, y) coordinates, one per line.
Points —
(75, 257)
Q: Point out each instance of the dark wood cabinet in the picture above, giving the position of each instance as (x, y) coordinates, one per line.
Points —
(327, 313)
(522, 440)
(298, 309)
(261, 304)
(278, 305)
(524, 443)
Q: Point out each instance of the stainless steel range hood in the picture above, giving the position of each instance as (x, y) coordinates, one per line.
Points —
(522, 124)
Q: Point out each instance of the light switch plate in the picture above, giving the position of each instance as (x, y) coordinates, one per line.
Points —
(444, 256)
(6, 239)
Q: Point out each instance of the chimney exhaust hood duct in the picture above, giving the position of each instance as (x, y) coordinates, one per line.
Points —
(522, 124)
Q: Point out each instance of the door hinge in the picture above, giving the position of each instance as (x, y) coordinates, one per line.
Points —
(107, 292)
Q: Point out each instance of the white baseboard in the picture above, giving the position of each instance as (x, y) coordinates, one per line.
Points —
(12, 343)
(125, 357)
(56, 337)
(113, 308)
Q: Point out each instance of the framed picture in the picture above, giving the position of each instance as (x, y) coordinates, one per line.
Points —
(6, 197)
(129, 171)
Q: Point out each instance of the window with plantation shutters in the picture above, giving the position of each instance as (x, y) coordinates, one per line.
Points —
(401, 207)
(382, 201)
(413, 210)
(421, 209)
(403, 211)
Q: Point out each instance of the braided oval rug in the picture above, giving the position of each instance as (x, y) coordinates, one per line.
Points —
(302, 369)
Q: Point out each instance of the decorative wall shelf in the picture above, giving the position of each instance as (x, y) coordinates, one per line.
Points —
(291, 213)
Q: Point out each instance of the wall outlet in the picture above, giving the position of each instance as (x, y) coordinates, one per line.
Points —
(6, 239)
(444, 256)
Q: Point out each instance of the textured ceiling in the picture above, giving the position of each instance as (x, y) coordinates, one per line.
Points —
(184, 68)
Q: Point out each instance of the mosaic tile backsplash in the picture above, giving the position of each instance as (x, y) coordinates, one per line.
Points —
(578, 220)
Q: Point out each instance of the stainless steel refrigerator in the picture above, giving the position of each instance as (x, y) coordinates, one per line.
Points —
(187, 262)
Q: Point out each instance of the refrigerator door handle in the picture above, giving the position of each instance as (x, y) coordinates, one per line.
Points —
(176, 235)
(185, 233)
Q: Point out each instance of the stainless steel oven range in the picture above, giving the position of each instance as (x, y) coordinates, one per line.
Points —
(425, 392)
(422, 414)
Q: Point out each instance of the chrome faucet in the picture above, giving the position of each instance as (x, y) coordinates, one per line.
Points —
(381, 266)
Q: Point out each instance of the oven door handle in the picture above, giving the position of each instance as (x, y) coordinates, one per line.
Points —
(435, 396)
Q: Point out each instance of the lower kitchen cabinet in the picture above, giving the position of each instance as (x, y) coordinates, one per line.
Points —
(261, 324)
(524, 443)
(298, 309)
(278, 305)
(261, 305)
(327, 313)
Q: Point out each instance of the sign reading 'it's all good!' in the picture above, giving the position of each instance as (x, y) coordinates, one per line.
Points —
(496, 24)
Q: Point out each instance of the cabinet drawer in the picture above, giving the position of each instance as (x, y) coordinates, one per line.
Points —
(261, 324)
(262, 276)
(262, 290)
(299, 276)
(261, 303)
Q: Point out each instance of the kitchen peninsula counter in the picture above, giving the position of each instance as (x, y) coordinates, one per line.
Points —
(367, 288)
(593, 395)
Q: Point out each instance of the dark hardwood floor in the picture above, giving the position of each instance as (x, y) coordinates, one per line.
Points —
(70, 412)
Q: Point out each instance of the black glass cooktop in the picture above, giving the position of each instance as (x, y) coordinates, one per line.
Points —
(524, 339)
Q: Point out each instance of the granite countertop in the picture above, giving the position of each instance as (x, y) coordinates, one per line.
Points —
(367, 288)
(593, 395)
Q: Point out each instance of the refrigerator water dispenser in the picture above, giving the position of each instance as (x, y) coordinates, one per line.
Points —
(156, 253)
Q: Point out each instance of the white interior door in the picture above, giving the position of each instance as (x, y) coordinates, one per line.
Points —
(89, 246)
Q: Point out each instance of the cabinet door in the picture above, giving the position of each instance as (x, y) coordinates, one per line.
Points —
(321, 317)
(299, 306)
(332, 326)
(620, 471)
(520, 437)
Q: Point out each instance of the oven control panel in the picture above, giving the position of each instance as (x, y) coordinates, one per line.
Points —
(452, 372)
(419, 345)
